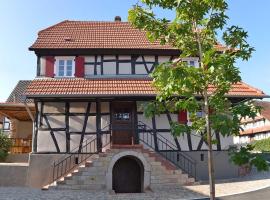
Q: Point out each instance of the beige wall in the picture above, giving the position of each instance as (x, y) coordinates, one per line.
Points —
(40, 169)
(18, 172)
(22, 129)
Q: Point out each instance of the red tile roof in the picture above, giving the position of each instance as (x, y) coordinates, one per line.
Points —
(114, 87)
(97, 35)
(265, 108)
(94, 35)
(256, 130)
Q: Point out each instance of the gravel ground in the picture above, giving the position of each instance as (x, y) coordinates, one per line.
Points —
(164, 193)
(170, 192)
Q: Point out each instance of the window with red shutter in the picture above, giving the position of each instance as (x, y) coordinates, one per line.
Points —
(79, 66)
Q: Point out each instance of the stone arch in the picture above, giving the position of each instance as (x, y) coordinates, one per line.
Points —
(132, 154)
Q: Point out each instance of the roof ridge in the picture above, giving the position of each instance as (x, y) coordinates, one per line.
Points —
(79, 21)
(100, 21)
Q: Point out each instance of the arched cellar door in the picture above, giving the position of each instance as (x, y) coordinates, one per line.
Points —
(128, 175)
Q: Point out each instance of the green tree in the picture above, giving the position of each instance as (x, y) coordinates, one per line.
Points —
(5, 145)
(196, 31)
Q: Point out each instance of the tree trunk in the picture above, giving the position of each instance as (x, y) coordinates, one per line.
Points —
(210, 150)
(207, 121)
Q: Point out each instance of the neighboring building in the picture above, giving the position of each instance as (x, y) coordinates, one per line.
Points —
(17, 123)
(257, 128)
(92, 83)
(1, 123)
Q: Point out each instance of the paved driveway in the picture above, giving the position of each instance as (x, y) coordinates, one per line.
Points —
(263, 194)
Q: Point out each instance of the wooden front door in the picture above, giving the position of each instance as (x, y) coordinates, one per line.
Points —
(122, 122)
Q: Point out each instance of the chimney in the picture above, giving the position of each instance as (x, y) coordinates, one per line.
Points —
(117, 19)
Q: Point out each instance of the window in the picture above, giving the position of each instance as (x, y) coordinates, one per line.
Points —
(122, 116)
(191, 61)
(65, 67)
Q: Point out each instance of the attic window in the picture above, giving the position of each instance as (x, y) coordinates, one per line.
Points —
(67, 39)
(64, 67)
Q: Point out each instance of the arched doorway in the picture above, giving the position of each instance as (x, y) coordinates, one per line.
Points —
(128, 175)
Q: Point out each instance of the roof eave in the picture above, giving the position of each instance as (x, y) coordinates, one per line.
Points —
(87, 51)
(29, 96)
(88, 95)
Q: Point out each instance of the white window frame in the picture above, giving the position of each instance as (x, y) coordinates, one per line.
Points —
(194, 59)
(56, 66)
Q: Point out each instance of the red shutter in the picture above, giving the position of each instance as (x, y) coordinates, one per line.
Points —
(49, 72)
(79, 66)
(182, 117)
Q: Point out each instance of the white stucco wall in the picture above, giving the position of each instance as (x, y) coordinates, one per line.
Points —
(44, 139)
(163, 123)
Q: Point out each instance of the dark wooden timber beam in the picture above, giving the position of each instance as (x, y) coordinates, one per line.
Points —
(52, 134)
(84, 125)
(155, 132)
(98, 126)
(67, 106)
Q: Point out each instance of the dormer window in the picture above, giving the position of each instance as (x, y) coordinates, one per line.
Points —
(65, 67)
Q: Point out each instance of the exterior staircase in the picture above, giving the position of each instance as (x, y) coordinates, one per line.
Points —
(85, 168)
(92, 174)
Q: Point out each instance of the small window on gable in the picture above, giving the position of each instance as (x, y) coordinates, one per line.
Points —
(64, 67)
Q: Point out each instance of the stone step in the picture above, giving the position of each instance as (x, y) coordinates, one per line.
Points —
(79, 187)
(167, 180)
(89, 164)
(92, 173)
(155, 163)
(85, 180)
(167, 176)
(100, 163)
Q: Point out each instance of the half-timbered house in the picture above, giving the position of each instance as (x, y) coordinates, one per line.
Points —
(91, 86)
(257, 128)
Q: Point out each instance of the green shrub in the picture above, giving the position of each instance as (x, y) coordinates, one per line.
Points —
(245, 157)
(262, 145)
(5, 145)
(3, 155)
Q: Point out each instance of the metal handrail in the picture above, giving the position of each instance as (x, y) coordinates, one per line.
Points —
(167, 149)
(72, 160)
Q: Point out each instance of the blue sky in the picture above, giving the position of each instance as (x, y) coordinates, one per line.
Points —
(22, 19)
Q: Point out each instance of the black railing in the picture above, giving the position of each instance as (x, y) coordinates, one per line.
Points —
(166, 149)
(76, 157)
